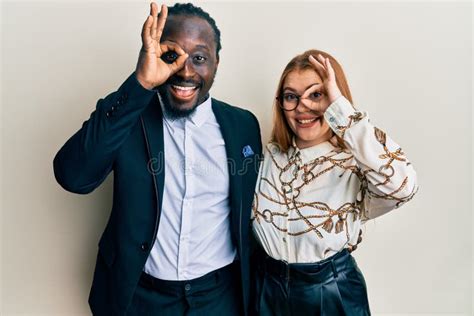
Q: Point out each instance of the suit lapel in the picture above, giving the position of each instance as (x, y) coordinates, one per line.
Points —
(152, 123)
(228, 127)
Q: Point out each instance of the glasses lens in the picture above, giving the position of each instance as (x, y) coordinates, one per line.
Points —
(289, 101)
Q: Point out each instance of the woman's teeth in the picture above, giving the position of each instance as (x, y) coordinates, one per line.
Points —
(307, 121)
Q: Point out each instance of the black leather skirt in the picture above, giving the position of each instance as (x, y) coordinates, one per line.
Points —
(332, 287)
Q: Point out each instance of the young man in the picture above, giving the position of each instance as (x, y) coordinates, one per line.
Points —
(177, 240)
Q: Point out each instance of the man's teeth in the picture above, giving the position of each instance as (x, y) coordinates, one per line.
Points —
(184, 88)
(307, 121)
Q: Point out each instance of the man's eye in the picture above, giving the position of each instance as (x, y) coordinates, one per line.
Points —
(169, 57)
(200, 59)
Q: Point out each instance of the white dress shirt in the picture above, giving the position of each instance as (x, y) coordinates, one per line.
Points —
(309, 203)
(194, 235)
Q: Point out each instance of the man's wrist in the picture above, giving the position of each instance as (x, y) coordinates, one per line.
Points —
(143, 83)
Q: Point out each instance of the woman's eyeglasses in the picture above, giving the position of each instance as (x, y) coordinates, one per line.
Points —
(289, 101)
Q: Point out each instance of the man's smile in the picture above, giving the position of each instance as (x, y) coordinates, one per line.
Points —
(184, 92)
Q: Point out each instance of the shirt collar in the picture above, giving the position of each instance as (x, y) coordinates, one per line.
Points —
(198, 117)
(309, 153)
(202, 113)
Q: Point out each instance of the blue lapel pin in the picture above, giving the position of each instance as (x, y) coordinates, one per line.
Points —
(247, 151)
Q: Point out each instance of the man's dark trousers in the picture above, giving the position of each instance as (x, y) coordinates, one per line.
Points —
(215, 293)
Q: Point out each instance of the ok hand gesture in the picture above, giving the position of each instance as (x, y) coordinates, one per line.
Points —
(151, 70)
(323, 67)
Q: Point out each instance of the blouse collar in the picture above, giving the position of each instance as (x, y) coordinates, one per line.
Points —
(309, 153)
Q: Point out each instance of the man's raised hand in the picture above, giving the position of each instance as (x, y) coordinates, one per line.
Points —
(151, 70)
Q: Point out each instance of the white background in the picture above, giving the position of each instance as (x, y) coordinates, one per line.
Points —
(409, 64)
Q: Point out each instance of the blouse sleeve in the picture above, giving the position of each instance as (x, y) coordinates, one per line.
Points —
(388, 178)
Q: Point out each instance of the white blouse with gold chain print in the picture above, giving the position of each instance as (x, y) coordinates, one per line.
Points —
(309, 203)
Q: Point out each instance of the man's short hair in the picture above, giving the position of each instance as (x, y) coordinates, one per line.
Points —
(191, 10)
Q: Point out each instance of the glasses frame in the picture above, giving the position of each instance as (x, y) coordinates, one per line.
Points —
(298, 99)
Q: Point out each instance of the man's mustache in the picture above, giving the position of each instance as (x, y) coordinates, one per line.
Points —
(184, 82)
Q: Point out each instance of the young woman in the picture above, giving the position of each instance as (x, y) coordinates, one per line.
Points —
(326, 170)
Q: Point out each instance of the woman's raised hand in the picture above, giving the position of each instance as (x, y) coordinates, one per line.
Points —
(324, 68)
(151, 70)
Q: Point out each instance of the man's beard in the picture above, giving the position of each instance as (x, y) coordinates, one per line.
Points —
(175, 112)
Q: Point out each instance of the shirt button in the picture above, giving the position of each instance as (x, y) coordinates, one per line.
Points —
(332, 119)
(284, 239)
(187, 287)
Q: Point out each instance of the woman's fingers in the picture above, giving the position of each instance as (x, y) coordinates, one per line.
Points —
(321, 59)
(326, 72)
(330, 70)
(325, 64)
(315, 62)
(319, 67)
(311, 89)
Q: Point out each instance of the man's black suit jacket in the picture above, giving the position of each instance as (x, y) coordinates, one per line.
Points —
(125, 135)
